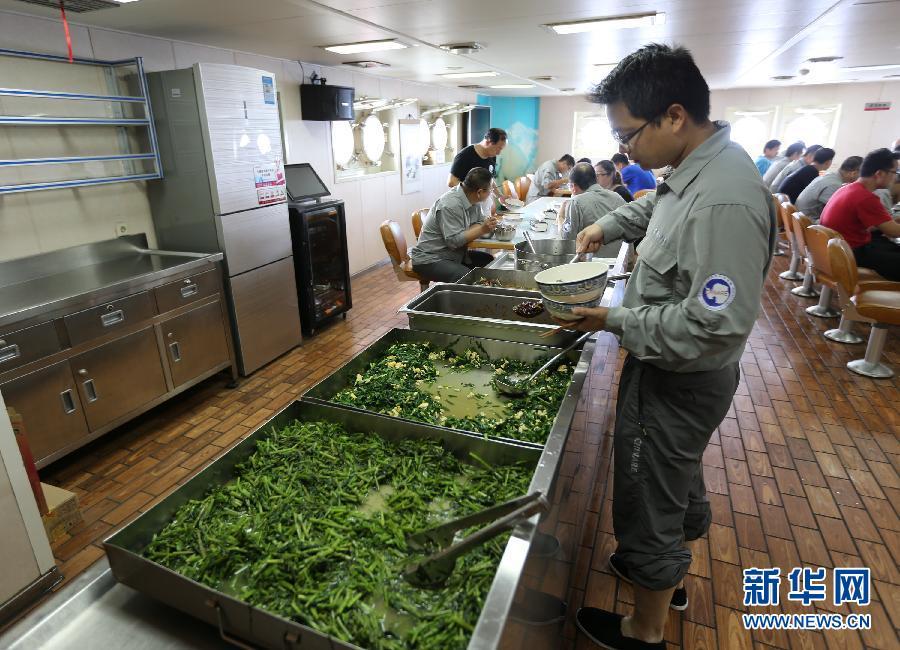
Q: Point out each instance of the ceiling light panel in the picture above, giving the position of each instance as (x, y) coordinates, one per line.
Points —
(880, 66)
(613, 22)
(367, 46)
(470, 75)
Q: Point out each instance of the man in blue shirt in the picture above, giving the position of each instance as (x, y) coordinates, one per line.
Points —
(633, 175)
(770, 152)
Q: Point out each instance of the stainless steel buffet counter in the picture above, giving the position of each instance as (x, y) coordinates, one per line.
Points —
(96, 611)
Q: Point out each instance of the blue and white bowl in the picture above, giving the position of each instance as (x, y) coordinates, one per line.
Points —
(573, 283)
(563, 310)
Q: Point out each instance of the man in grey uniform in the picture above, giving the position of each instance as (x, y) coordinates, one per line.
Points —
(794, 151)
(813, 198)
(796, 165)
(589, 201)
(688, 309)
(552, 174)
(453, 222)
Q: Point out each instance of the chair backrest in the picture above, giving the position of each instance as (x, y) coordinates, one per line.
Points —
(781, 198)
(509, 189)
(800, 223)
(418, 217)
(843, 265)
(394, 241)
(522, 185)
(787, 211)
(817, 238)
(640, 193)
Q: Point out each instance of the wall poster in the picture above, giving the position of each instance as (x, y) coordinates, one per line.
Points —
(411, 157)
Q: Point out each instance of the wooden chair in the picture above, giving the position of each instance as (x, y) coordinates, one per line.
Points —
(873, 302)
(418, 217)
(817, 238)
(395, 243)
(509, 189)
(641, 193)
(800, 223)
(786, 211)
(522, 184)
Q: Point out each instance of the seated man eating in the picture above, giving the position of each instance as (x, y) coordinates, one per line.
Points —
(453, 222)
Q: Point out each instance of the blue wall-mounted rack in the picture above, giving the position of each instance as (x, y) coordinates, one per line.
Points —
(120, 123)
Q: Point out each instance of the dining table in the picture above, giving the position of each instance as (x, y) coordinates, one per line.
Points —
(544, 209)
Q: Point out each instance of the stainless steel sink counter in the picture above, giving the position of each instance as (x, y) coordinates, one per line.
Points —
(50, 282)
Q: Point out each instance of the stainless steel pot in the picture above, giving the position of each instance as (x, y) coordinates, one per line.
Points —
(548, 253)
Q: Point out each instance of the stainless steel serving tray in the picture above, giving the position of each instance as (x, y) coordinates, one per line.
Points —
(327, 388)
(510, 279)
(238, 620)
(482, 312)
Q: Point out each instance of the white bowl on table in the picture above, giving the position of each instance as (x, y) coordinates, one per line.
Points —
(563, 310)
(573, 283)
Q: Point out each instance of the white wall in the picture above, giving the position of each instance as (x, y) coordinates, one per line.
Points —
(858, 131)
(36, 222)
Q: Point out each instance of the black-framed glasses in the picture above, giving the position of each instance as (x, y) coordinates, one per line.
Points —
(623, 140)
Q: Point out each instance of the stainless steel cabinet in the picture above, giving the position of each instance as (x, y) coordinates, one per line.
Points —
(119, 377)
(195, 342)
(49, 403)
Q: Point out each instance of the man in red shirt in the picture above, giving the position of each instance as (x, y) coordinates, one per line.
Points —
(854, 210)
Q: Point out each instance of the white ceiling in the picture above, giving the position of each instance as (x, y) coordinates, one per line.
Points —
(736, 42)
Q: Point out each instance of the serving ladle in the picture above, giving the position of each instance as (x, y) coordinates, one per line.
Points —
(520, 387)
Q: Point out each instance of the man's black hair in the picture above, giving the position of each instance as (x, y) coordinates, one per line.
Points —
(851, 164)
(495, 135)
(619, 159)
(772, 144)
(583, 175)
(587, 160)
(823, 155)
(568, 159)
(478, 178)
(653, 78)
(795, 148)
(877, 161)
(811, 149)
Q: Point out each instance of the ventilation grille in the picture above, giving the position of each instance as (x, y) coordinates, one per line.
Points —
(75, 6)
(472, 86)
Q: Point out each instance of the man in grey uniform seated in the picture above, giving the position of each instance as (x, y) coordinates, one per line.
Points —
(453, 222)
(812, 200)
(796, 165)
(589, 201)
(553, 174)
(794, 151)
(709, 231)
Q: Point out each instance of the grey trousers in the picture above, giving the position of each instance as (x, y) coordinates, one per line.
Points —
(447, 271)
(664, 421)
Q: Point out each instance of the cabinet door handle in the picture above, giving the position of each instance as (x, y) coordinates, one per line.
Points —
(189, 290)
(176, 351)
(68, 401)
(90, 390)
(112, 318)
(9, 353)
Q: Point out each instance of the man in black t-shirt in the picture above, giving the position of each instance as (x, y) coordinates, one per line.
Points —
(481, 154)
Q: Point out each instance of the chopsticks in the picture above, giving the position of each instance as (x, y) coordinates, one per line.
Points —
(557, 330)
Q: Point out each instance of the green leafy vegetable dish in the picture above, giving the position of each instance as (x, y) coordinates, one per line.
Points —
(313, 527)
(417, 381)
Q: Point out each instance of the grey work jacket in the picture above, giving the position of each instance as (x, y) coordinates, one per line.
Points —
(814, 196)
(695, 291)
(443, 233)
(790, 168)
(774, 170)
(544, 175)
(584, 209)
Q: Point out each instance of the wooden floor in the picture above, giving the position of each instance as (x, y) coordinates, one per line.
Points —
(803, 470)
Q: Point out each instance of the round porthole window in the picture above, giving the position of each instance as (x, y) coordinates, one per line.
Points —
(424, 137)
(342, 142)
(439, 134)
(373, 138)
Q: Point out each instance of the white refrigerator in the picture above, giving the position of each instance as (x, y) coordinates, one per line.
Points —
(224, 190)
